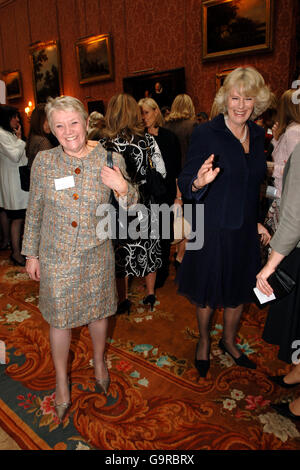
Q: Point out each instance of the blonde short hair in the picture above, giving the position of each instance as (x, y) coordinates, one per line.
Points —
(151, 103)
(182, 108)
(248, 82)
(64, 103)
(94, 119)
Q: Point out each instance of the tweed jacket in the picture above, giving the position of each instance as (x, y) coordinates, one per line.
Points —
(287, 235)
(65, 220)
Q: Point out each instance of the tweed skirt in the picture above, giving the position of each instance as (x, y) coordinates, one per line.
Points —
(78, 288)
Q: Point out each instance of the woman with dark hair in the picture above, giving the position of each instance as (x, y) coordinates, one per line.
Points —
(39, 133)
(169, 147)
(124, 133)
(181, 121)
(12, 198)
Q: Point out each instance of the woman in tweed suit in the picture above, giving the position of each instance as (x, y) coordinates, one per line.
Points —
(74, 267)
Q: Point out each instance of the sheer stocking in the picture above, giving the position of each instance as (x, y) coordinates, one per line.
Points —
(60, 345)
(15, 234)
(150, 283)
(122, 288)
(4, 224)
(204, 316)
(231, 321)
(98, 332)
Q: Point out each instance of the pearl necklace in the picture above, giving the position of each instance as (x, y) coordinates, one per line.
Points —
(244, 137)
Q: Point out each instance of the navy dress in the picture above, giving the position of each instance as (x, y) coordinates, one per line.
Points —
(223, 272)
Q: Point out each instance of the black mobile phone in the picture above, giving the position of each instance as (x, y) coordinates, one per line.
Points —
(215, 163)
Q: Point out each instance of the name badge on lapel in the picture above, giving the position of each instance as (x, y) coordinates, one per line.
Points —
(64, 183)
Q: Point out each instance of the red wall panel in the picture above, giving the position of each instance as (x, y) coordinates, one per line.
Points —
(158, 35)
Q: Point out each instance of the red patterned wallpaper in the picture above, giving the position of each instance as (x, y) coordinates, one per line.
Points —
(158, 35)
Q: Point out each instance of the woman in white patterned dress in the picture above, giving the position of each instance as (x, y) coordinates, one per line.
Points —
(124, 133)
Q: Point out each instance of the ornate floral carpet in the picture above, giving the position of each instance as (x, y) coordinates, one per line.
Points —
(156, 400)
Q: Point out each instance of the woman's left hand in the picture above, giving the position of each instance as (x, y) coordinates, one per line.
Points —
(265, 237)
(261, 280)
(113, 178)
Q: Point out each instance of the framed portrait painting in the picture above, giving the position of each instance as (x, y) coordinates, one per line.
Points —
(236, 27)
(46, 70)
(220, 77)
(13, 84)
(94, 59)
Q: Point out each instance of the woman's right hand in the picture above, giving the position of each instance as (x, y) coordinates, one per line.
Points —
(275, 130)
(206, 173)
(33, 269)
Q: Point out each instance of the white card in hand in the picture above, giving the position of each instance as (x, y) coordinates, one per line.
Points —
(262, 297)
(2, 352)
(64, 183)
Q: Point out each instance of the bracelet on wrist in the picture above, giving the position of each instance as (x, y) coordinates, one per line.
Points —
(31, 257)
(194, 186)
(178, 197)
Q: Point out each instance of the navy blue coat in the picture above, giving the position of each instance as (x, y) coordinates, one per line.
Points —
(223, 272)
(224, 198)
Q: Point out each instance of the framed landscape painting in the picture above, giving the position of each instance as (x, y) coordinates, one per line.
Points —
(94, 59)
(13, 84)
(235, 27)
(46, 71)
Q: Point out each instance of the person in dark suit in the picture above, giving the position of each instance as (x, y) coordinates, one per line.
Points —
(169, 146)
(224, 169)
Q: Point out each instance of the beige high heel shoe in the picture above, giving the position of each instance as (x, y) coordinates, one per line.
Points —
(102, 385)
(61, 409)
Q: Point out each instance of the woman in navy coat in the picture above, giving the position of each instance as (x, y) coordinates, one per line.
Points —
(224, 170)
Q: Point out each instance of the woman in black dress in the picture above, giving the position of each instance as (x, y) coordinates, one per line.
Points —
(223, 272)
(124, 133)
(169, 146)
(182, 121)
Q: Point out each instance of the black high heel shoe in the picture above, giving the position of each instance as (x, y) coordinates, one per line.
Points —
(16, 262)
(242, 360)
(202, 365)
(177, 264)
(5, 246)
(124, 306)
(284, 410)
(149, 300)
(278, 380)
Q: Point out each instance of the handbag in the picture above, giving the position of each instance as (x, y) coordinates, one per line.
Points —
(119, 214)
(24, 172)
(281, 283)
(181, 227)
(155, 183)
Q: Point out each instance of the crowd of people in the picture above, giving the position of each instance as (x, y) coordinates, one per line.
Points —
(219, 162)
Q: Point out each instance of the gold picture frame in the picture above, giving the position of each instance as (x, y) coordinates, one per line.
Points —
(220, 77)
(231, 28)
(94, 59)
(46, 70)
(13, 84)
